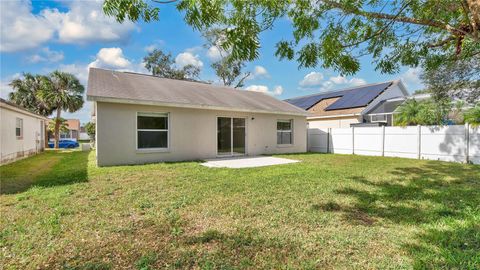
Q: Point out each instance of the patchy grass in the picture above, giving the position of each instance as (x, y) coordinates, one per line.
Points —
(328, 211)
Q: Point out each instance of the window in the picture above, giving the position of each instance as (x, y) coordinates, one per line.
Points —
(19, 128)
(152, 130)
(64, 135)
(284, 132)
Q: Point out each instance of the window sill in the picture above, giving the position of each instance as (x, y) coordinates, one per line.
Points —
(285, 145)
(19, 138)
(153, 150)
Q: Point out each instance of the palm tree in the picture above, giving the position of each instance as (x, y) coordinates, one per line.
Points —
(472, 116)
(63, 127)
(26, 94)
(64, 92)
(407, 113)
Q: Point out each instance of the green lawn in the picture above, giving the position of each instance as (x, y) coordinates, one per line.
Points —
(329, 211)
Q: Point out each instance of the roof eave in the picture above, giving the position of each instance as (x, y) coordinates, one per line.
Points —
(333, 116)
(186, 105)
(22, 111)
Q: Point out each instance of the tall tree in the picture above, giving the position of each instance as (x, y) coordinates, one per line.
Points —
(26, 94)
(333, 33)
(228, 69)
(163, 65)
(460, 79)
(64, 92)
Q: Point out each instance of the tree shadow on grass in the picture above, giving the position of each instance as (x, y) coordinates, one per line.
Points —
(442, 199)
(416, 195)
(53, 168)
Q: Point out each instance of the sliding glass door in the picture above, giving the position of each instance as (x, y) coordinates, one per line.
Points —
(231, 136)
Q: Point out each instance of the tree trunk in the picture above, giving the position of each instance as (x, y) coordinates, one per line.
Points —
(57, 128)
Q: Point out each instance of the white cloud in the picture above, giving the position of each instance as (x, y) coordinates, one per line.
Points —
(112, 58)
(343, 80)
(259, 72)
(257, 88)
(80, 71)
(338, 79)
(83, 23)
(20, 29)
(188, 58)
(5, 88)
(411, 77)
(158, 43)
(277, 90)
(214, 54)
(317, 80)
(312, 79)
(46, 55)
(357, 81)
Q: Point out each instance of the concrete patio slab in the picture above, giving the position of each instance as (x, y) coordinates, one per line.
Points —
(246, 162)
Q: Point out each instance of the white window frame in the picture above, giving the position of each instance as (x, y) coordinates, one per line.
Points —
(285, 131)
(152, 149)
(17, 121)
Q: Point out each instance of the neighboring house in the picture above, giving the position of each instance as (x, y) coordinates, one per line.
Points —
(73, 132)
(384, 112)
(141, 119)
(83, 134)
(22, 132)
(347, 107)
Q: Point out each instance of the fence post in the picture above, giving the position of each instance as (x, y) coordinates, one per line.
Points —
(328, 140)
(353, 140)
(419, 141)
(467, 140)
(383, 141)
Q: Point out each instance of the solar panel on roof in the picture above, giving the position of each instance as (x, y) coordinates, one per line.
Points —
(358, 97)
(350, 98)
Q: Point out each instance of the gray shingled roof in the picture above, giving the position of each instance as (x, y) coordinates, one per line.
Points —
(126, 87)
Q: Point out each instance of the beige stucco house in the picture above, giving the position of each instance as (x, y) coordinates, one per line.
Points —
(22, 133)
(142, 119)
(343, 108)
(73, 133)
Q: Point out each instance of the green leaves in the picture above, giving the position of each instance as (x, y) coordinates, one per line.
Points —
(472, 116)
(26, 93)
(162, 65)
(332, 33)
(428, 112)
(132, 10)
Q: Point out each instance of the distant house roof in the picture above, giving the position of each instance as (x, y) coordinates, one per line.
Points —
(391, 104)
(350, 98)
(73, 124)
(12, 106)
(126, 87)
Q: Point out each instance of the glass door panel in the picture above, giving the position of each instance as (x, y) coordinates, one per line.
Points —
(224, 136)
(238, 136)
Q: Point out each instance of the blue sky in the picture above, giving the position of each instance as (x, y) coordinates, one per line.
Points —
(42, 36)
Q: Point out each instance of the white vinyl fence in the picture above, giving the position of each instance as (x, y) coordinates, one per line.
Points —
(447, 143)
